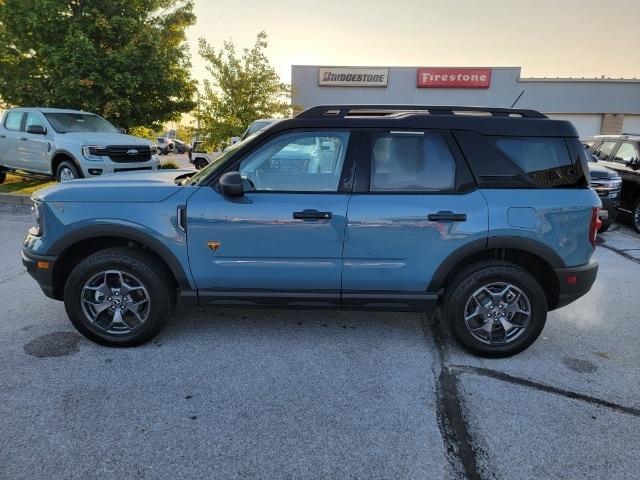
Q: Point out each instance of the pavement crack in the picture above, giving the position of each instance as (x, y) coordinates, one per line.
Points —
(11, 277)
(543, 387)
(460, 451)
(622, 253)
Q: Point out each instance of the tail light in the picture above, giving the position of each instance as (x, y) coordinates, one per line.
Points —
(595, 225)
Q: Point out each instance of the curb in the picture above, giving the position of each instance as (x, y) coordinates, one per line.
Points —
(12, 199)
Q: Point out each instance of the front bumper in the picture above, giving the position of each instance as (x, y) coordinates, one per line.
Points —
(574, 282)
(35, 265)
(96, 169)
(609, 209)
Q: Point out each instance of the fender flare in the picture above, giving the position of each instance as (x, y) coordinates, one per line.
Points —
(130, 233)
(509, 242)
(68, 154)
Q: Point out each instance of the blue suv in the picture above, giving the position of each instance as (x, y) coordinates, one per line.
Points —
(484, 213)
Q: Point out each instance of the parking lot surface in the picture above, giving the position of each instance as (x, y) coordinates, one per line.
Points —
(226, 393)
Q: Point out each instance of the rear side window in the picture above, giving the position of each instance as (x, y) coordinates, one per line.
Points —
(415, 162)
(545, 159)
(13, 121)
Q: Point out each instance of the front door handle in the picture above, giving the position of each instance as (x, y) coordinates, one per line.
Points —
(447, 216)
(312, 215)
(3, 136)
(23, 139)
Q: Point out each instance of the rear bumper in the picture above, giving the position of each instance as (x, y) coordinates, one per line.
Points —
(44, 276)
(574, 282)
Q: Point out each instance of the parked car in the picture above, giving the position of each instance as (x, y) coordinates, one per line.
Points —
(620, 153)
(68, 144)
(198, 155)
(165, 145)
(489, 217)
(179, 146)
(607, 184)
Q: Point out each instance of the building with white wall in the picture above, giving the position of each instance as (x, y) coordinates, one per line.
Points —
(594, 105)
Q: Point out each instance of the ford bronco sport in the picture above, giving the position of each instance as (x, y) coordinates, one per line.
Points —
(485, 213)
(69, 144)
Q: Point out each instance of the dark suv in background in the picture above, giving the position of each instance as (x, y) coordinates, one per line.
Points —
(620, 153)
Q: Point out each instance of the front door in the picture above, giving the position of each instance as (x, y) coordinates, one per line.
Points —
(413, 206)
(282, 241)
(33, 147)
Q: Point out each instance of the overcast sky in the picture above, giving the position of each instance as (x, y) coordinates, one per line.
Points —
(545, 37)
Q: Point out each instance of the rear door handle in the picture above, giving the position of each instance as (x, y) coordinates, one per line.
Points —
(23, 138)
(311, 215)
(447, 216)
(3, 136)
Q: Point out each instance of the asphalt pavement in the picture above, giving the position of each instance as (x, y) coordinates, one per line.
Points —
(244, 394)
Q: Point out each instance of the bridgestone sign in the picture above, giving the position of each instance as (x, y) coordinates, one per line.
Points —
(353, 77)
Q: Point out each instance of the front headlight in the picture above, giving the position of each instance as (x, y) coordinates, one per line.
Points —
(36, 230)
(153, 149)
(93, 152)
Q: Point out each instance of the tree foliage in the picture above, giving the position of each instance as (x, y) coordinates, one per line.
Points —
(124, 59)
(243, 87)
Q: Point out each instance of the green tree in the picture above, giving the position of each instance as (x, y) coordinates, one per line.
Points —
(124, 59)
(243, 87)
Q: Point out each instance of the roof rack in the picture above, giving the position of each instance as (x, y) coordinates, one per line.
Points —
(341, 111)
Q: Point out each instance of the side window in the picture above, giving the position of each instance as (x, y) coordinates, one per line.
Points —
(626, 153)
(33, 119)
(545, 159)
(604, 150)
(420, 162)
(297, 162)
(13, 121)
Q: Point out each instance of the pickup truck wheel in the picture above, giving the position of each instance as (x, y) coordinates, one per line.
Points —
(605, 226)
(67, 171)
(118, 297)
(635, 216)
(495, 308)
(200, 163)
(3, 176)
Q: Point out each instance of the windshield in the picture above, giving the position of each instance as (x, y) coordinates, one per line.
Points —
(204, 173)
(79, 122)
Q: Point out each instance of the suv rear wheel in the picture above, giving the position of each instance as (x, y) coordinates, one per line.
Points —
(495, 308)
(118, 297)
(67, 171)
(200, 163)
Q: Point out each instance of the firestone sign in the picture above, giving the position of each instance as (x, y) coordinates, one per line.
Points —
(353, 77)
(454, 77)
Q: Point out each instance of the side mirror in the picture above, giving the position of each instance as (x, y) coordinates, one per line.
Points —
(231, 184)
(36, 129)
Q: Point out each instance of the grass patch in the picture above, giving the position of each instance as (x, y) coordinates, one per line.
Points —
(23, 185)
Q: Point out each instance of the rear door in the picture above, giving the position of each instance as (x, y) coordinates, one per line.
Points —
(10, 139)
(414, 204)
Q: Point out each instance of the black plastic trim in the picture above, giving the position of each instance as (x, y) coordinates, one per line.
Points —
(585, 277)
(129, 233)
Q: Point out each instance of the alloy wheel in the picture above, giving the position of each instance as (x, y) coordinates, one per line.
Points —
(66, 175)
(497, 313)
(115, 302)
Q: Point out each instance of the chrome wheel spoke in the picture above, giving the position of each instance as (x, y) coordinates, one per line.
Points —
(497, 313)
(115, 302)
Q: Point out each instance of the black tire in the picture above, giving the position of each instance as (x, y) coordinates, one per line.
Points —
(635, 216)
(472, 278)
(140, 265)
(65, 167)
(200, 163)
(3, 176)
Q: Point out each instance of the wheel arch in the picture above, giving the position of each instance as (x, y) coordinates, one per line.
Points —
(60, 156)
(78, 245)
(533, 256)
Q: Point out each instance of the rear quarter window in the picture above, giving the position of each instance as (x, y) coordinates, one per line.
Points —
(546, 160)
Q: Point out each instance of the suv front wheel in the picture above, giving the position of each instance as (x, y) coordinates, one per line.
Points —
(118, 297)
(495, 308)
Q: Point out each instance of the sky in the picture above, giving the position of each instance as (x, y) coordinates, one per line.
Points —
(547, 38)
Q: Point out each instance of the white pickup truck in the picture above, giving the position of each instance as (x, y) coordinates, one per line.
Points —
(69, 144)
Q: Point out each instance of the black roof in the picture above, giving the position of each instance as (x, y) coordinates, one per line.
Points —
(484, 120)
